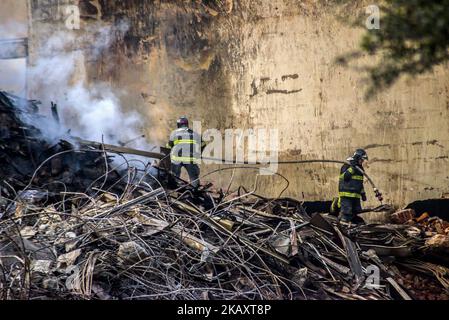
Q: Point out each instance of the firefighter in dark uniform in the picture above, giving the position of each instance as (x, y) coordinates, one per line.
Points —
(186, 147)
(350, 187)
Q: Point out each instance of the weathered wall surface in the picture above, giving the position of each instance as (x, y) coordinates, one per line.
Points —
(271, 64)
(320, 111)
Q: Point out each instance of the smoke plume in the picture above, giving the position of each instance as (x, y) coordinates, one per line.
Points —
(89, 110)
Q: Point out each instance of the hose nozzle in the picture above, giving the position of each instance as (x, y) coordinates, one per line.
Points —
(378, 195)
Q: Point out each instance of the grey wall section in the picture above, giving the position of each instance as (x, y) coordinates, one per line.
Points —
(270, 64)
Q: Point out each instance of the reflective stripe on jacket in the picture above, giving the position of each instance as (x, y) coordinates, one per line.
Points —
(350, 183)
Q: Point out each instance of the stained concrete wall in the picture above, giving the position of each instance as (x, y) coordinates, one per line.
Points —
(405, 129)
(270, 64)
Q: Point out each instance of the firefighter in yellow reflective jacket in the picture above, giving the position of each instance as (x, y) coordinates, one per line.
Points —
(350, 187)
(186, 147)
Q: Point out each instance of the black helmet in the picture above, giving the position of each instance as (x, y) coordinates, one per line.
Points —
(360, 154)
(182, 122)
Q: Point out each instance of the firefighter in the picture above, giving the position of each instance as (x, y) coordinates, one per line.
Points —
(186, 147)
(350, 187)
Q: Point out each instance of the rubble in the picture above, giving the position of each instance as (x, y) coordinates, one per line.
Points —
(439, 241)
(72, 233)
(28, 158)
(131, 251)
(402, 216)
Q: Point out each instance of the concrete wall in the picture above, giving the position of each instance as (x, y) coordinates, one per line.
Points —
(271, 64)
(405, 129)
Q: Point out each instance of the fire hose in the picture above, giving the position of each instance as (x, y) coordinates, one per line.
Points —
(377, 193)
(163, 156)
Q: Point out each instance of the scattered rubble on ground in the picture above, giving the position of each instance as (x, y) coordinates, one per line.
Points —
(73, 226)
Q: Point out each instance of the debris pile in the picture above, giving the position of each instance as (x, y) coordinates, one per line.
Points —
(27, 157)
(131, 239)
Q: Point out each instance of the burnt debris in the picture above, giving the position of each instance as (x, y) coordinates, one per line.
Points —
(29, 160)
(76, 226)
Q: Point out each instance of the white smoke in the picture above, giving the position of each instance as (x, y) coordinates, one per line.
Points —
(91, 111)
(57, 73)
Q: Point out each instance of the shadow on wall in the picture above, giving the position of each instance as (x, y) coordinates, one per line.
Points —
(434, 207)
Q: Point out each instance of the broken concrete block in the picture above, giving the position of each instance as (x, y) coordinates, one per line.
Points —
(402, 216)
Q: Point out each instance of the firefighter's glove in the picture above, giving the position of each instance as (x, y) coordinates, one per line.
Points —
(364, 196)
